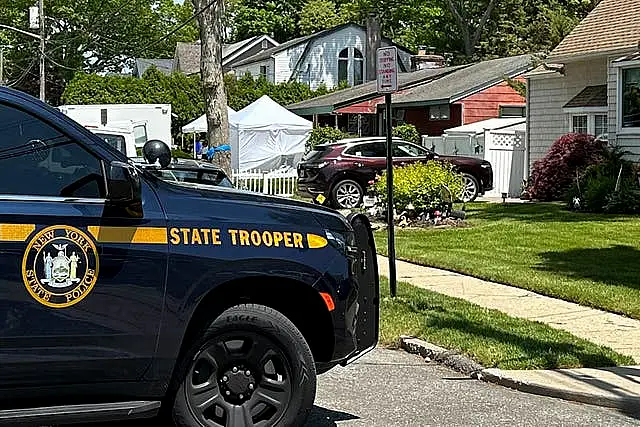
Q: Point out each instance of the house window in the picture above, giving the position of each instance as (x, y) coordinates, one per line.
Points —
(630, 98)
(513, 111)
(593, 124)
(601, 126)
(343, 66)
(263, 71)
(580, 124)
(358, 67)
(439, 112)
(265, 44)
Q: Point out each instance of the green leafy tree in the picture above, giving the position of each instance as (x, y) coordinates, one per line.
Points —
(90, 36)
(248, 18)
(318, 15)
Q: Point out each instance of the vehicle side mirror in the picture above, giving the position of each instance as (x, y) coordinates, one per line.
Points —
(123, 184)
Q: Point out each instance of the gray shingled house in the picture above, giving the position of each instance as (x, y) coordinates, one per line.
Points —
(590, 83)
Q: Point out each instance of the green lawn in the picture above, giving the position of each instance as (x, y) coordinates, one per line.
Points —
(589, 259)
(488, 336)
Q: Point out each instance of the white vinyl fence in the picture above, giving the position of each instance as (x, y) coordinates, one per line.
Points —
(276, 183)
(505, 150)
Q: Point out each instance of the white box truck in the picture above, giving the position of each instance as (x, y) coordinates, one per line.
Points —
(149, 121)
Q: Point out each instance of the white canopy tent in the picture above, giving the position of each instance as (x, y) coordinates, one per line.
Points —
(267, 136)
(200, 124)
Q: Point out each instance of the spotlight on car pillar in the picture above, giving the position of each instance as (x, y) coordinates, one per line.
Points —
(157, 152)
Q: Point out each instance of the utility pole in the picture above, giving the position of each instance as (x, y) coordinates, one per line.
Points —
(41, 22)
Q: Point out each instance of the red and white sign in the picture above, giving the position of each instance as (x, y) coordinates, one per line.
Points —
(387, 69)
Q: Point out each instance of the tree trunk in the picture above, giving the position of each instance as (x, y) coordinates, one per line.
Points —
(215, 100)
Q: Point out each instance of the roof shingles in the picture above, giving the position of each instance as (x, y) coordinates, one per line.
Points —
(611, 27)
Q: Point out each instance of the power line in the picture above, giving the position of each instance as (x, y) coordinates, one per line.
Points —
(179, 27)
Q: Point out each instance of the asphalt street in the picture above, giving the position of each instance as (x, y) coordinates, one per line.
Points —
(394, 388)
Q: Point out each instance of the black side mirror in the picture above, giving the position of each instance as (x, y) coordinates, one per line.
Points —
(123, 185)
(157, 152)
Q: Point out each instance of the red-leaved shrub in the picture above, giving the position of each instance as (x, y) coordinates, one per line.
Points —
(552, 175)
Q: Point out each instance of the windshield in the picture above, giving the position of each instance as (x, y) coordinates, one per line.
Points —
(116, 141)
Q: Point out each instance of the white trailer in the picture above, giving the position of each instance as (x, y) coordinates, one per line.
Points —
(152, 121)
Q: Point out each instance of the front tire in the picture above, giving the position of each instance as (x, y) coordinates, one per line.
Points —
(347, 194)
(251, 366)
(470, 188)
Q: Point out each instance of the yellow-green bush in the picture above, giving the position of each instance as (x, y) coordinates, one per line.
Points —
(420, 184)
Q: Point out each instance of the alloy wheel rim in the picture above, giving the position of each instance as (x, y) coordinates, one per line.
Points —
(239, 380)
(348, 195)
(468, 189)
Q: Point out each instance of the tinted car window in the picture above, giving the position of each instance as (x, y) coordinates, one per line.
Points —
(408, 150)
(38, 160)
(196, 177)
(370, 149)
(315, 154)
(116, 141)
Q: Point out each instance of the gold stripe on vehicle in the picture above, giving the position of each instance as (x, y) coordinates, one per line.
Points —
(149, 235)
(15, 232)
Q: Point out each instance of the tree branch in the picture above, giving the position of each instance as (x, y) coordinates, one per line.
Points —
(483, 22)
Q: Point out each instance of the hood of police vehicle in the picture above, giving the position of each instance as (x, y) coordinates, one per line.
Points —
(223, 202)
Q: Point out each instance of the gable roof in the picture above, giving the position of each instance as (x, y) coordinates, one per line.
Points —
(163, 65)
(613, 26)
(464, 82)
(268, 53)
(425, 87)
(187, 56)
(590, 96)
(328, 103)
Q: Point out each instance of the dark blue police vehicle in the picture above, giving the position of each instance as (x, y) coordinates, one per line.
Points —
(125, 296)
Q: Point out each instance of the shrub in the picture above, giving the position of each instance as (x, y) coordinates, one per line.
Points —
(324, 135)
(179, 154)
(596, 188)
(552, 176)
(420, 184)
(407, 132)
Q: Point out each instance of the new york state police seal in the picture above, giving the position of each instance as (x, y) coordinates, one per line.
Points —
(60, 266)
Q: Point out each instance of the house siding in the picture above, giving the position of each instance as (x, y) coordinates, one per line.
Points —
(486, 104)
(549, 93)
(248, 54)
(286, 61)
(419, 117)
(628, 142)
(254, 69)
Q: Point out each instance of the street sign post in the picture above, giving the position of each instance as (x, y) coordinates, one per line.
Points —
(387, 77)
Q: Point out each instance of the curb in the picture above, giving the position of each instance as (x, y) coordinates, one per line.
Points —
(449, 358)
(430, 352)
(628, 404)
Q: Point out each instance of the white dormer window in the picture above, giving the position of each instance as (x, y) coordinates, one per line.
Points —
(265, 44)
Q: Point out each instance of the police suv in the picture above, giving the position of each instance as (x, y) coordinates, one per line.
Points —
(125, 296)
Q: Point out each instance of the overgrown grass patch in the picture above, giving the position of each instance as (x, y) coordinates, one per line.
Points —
(488, 336)
(590, 259)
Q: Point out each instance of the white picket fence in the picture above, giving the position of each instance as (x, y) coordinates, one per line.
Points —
(276, 182)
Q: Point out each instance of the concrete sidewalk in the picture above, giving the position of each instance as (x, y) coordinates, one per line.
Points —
(620, 333)
(612, 387)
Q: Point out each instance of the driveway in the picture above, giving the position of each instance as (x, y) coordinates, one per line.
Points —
(394, 388)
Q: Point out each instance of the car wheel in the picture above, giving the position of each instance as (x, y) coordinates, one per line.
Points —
(470, 188)
(250, 367)
(347, 194)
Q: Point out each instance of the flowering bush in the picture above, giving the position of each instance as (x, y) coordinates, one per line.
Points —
(552, 175)
(420, 185)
